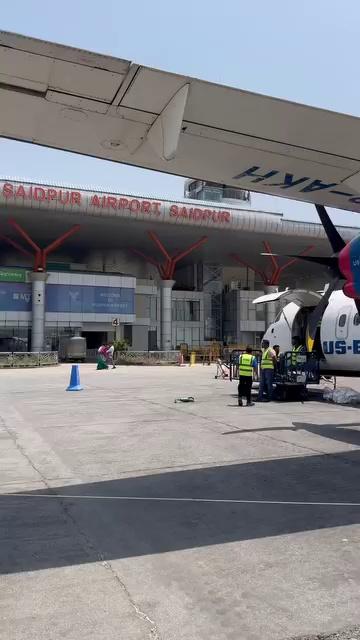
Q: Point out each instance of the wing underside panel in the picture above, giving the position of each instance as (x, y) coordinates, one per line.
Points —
(113, 109)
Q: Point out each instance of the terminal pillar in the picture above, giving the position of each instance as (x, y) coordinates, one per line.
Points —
(270, 307)
(38, 280)
(166, 270)
(166, 287)
(38, 276)
(270, 276)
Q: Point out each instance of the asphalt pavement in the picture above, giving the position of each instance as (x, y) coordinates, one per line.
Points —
(126, 515)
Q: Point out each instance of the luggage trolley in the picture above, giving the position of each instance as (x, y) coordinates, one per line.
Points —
(294, 372)
(222, 370)
(291, 378)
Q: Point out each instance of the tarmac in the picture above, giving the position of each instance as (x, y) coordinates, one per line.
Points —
(125, 515)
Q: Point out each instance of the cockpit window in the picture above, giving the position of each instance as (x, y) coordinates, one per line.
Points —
(356, 320)
(342, 320)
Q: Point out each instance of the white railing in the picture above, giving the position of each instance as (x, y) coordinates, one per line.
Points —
(28, 359)
(139, 357)
(147, 357)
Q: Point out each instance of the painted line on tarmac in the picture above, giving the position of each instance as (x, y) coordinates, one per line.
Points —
(299, 503)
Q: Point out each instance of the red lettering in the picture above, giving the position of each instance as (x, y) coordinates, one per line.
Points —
(75, 197)
(183, 212)
(156, 206)
(63, 196)
(95, 201)
(134, 205)
(123, 203)
(112, 202)
(145, 206)
(20, 192)
(174, 210)
(103, 202)
(39, 194)
(51, 194)
(227, 216)
(8, 190)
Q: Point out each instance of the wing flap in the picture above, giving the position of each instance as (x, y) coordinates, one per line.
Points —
(301, 297)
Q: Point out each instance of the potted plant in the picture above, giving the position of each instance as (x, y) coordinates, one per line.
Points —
(120, 347)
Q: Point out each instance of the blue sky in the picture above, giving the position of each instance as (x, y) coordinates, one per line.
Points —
(305, 51)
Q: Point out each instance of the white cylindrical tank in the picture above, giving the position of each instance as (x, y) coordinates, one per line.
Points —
(75, 349)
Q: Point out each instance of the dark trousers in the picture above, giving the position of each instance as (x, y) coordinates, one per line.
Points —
(244, 388)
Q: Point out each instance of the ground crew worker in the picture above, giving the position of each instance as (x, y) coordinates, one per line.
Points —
(110, 355)
(276, 350)
(267, 369)
(247, 365)
(279, 358)
(297, 349)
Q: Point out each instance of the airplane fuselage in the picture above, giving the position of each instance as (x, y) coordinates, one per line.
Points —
(338, 340)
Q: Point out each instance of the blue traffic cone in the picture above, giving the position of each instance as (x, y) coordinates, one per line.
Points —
(75, 379)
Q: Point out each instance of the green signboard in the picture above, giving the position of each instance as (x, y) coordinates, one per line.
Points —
(12, 275)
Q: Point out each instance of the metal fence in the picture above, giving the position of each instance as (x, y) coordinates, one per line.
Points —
(17, 359)
(147, 357)
(139, 357)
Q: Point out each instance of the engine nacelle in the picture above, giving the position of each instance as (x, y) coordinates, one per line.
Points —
(349, 265)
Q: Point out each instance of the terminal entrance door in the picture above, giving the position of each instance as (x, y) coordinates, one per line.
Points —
(94, 339)
(152, 340)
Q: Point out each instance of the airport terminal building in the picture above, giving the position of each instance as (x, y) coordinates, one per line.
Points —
(158, 273)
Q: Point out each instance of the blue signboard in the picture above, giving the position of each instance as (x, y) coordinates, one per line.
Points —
(15, 296)
(63, 298)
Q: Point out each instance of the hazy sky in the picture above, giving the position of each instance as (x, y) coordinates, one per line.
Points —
(305, 51)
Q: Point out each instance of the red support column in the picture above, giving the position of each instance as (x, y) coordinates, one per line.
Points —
(40, 255)
(272, 277)
(167, 268)
(16, 246)
(38, 277)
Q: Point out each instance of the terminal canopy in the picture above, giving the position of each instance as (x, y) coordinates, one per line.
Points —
(100, 106)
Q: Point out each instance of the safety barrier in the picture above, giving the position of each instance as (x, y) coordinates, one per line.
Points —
(147, 357)
(20, 359)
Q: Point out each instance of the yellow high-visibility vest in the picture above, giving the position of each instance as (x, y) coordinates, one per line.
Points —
(245, 365)
(266, 360)
(294, 353)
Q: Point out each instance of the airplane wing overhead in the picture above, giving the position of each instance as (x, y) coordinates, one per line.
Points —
(96, 105)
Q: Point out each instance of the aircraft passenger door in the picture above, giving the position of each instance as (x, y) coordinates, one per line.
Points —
(342, 323)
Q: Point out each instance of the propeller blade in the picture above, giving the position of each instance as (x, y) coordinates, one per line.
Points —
(334, 237)
(317, 314)
(327, 261)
